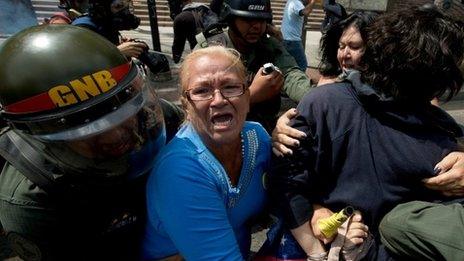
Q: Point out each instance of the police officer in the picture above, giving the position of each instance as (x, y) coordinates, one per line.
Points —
(247, 22)
(84, 128)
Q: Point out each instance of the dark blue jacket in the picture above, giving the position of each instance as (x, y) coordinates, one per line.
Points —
(362, 150)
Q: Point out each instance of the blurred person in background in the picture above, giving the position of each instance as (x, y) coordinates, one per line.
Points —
(334, 12)
(295, 12)
(194, 18)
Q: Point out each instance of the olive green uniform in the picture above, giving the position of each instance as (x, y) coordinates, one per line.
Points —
(83, 134)
(421, 230)
(267, 50)
(87, 222)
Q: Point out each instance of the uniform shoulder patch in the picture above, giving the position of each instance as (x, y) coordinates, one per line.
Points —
(23, 247)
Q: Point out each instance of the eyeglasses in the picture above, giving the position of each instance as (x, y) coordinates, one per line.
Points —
(207, 93)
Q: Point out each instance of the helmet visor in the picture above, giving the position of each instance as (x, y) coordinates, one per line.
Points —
(121, 143)
(101, 125)
(87, 118)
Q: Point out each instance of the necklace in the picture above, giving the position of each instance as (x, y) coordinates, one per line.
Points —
(242, 144)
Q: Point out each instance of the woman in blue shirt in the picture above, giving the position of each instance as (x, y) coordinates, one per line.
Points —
(206, 185)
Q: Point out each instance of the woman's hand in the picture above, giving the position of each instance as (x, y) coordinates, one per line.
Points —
(357, 234)
(320, 212)
(265, 86)
(305, 238)
(285, 137)
(450, 177)
(357, 231)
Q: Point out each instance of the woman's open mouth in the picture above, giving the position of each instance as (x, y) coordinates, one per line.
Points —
(222, 120)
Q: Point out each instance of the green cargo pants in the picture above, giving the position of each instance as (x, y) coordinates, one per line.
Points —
(425, 231)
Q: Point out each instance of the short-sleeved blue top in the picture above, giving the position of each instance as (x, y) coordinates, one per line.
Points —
(193, 209)
(292, 21)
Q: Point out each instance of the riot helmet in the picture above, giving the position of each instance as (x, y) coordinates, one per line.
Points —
(71, 95)
(253, 9)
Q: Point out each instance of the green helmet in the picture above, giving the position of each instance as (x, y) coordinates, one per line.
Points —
(73, 96)
(253, 9)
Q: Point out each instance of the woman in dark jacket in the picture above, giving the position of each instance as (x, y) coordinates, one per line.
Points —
(373, 137)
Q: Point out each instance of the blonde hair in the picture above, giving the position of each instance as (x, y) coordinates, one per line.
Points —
(231, 54)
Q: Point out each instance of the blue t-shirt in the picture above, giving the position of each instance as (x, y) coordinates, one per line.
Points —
(292, 22)
(193, 209)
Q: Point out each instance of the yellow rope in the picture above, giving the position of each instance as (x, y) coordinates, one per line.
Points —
(329, 226)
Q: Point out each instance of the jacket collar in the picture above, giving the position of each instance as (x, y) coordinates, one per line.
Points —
(411, 115)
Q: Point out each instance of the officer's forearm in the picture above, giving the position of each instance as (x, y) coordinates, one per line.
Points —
(296, 84)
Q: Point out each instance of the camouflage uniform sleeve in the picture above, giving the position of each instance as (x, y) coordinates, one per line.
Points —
(296, 83)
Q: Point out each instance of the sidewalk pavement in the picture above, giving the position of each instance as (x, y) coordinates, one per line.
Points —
(312, 48)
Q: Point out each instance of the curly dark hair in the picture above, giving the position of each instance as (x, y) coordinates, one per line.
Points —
(414, 55)
(329, 65)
